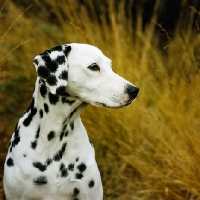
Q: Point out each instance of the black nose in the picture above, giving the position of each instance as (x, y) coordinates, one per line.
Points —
(132, 91)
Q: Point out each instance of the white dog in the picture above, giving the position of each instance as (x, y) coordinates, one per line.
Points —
(50, 156)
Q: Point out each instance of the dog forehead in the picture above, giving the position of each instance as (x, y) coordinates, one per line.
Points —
(87, 52)
(85, 48)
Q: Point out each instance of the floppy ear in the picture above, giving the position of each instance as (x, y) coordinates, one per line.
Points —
(52, 68)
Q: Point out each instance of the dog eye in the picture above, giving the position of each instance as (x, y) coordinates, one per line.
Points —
(94, 67)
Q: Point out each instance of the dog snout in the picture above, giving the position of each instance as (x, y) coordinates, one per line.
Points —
(132, 91)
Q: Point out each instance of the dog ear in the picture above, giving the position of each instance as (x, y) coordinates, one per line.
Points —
(52, 68)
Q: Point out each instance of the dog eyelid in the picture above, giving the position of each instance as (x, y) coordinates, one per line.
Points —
(94, 67)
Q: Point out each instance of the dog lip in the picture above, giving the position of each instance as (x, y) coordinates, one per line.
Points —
(104, 105)
(99, 104)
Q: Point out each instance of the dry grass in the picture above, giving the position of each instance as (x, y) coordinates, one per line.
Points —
(149, 150)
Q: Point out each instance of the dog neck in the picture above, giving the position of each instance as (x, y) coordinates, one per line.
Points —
(65, 108)
(52, 118)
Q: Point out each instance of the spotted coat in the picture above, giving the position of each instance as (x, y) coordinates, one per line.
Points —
(50, 155)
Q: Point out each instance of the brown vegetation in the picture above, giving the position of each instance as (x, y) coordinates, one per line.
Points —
(149, 150)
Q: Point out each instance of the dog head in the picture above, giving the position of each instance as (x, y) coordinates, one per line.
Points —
(84, 72)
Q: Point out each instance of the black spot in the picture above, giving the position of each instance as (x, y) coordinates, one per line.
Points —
(53, 66)
(64, 172)
(16, 126)
(28, 120)
(33, 111)
(63, 147)
(82, 167)
(91, 183)
(43, 90)
(71, 167)
(34, 144)
(53, 98)
(59, 154)
(77, 159)
(45, 56)
(40, 166)
(72, 125)
(36, 61)
(16, 133)
(10, 162)
(48, 161)
(41, 113)
(63, 75)
(76, 192)
(61, 135)
(66, 133)
(43, 72)
(70, 102)
(78, 176)
(67, 50)
(57, 48)
(51, 135)
(41, 180)
(16, 139)
(24, 155)
(49, 63)
(62, 166)
(61, 91)
(37, 133)
(51, 80)
(46, 108)
(60, 60)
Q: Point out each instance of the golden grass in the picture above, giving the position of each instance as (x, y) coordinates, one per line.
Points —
(149, 150)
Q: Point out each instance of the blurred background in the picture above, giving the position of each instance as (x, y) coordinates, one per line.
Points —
(150, 149)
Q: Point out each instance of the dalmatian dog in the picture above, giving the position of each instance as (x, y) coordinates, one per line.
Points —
(50, 156)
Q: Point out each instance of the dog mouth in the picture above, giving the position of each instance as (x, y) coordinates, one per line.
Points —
(98, 104)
